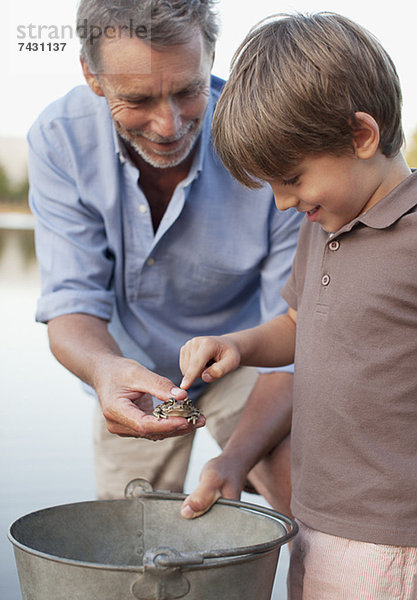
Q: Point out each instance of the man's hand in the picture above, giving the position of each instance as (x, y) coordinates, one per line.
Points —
(209, 358)
(125, 388)
(125, 391)
(219, 477)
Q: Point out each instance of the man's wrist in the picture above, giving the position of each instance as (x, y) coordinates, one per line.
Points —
(105, 365)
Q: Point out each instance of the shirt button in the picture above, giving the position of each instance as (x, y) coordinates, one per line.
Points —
(335, 245)
(325, 280)
(143, 208)
(150, 262)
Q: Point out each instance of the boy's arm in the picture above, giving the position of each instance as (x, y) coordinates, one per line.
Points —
(271, 344)
(262, 431)
(269, 405)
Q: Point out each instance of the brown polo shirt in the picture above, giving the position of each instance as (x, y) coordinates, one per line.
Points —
(354, 435)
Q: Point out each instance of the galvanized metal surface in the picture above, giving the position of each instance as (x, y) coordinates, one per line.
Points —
(140, 548)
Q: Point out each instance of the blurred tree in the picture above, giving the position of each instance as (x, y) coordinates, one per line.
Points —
(4, 184)
(13, 195)
(411, 150)
(19, 193)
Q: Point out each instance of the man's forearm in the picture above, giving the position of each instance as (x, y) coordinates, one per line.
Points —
(82, 344)
(265, 420)
(124, 387)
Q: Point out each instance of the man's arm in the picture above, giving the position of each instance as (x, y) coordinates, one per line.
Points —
(83, 345)
(77, 267)
(258, 446)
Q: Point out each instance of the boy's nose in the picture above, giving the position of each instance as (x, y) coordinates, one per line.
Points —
(284, 201)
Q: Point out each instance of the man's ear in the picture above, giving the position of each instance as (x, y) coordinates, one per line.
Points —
(91, 79)
(366, 135)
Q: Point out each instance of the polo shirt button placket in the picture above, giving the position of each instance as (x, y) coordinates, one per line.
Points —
(325, 280)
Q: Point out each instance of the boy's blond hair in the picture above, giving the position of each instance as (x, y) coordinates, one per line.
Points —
(295, 86)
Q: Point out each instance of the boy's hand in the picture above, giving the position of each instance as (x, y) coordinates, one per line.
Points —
(220, 477)
(209, 358)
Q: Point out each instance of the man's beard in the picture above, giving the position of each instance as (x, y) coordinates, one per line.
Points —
(166, 159)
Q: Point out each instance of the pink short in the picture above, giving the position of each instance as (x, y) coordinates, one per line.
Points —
(326, 567)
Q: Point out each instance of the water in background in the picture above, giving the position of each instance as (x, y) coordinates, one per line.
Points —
(46, 455)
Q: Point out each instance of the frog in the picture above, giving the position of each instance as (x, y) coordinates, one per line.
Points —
(173, 408)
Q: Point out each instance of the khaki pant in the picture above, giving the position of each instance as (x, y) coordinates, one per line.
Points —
(118, 460)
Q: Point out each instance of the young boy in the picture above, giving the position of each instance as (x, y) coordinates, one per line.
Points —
(313, 108)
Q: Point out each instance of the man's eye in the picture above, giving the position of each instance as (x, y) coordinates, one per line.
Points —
(138, 101)
(189, 92)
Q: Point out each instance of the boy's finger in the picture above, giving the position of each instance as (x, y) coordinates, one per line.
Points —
(201, 499)
(207, 375)
(189, 376)
(192, 366)
(218, 369)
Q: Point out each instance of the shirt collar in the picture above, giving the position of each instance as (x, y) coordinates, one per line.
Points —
(119, 146)
(390, 209)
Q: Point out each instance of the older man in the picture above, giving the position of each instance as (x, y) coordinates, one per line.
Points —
(139, 250)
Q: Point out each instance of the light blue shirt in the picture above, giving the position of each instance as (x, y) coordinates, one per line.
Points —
(216, 263)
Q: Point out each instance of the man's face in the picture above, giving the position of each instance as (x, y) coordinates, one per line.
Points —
(157, 96)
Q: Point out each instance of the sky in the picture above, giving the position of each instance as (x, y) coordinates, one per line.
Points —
(32, 78)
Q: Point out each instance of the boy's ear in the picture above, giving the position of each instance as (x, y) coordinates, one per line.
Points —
(365, 135)
(91, 79)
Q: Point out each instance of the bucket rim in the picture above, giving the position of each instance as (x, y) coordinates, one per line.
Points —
(290, 526)
(195, 559)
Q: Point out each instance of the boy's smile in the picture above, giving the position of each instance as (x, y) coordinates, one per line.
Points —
(312, 214)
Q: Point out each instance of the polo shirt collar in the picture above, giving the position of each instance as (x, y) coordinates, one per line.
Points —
(388, 210)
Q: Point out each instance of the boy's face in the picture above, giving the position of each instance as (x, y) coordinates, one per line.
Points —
(331, 190)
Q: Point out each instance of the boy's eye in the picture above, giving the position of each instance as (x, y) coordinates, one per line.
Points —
(291, 181)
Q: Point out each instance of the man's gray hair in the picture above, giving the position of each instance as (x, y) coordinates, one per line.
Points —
(160, 22)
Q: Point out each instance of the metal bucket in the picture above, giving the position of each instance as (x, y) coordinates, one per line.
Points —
(141, 548)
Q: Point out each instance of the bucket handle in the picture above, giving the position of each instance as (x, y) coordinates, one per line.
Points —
(157, 580)
(140, 488)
